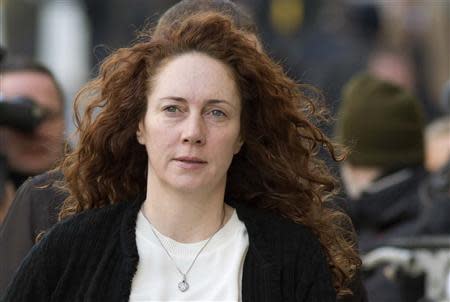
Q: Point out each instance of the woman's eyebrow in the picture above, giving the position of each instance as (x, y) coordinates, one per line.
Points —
(173, 98)
(216, 101)
(208, 102)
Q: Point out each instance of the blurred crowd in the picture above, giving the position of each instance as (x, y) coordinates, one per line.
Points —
(383, 68)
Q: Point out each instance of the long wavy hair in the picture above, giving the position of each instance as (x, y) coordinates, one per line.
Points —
(277, 168)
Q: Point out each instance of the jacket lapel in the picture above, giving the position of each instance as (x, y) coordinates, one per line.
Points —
(261, 280)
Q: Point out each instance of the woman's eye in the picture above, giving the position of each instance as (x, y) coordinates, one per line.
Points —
(217, 113)
(171, 109)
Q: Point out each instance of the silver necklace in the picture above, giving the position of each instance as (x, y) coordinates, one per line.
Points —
(183, 285)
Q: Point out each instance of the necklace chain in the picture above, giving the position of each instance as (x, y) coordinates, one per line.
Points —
(183, 285)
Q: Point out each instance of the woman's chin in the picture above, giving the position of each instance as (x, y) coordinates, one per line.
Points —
(190, 186)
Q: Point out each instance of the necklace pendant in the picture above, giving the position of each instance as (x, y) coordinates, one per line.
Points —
(183, 286)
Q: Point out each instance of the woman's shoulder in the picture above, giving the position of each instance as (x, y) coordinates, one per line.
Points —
(92, 224)
(291, 247)
(264, 224)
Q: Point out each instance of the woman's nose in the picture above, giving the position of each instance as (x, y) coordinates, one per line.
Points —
(194, 130)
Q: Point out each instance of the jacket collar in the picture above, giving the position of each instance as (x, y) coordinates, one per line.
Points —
(128, 227)
(393, 199)
(390, 180)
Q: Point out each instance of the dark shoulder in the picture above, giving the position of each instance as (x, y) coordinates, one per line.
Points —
(43, 197)
(277, 229)
(43, 188)
(47, 178)
(290, 246)
(90, 225)
(106, 214)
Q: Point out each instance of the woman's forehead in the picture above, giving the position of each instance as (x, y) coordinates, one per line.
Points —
(195, 76)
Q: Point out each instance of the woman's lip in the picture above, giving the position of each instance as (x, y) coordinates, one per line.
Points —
(194, 160)
(190, 164)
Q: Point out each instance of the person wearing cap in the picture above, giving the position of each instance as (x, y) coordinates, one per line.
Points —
(383, 126)
(435, 190)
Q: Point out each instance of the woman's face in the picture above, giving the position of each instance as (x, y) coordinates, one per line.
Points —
(191, 129)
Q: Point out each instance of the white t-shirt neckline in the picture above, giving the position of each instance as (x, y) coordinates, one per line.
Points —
(185, 250)
(215, 276)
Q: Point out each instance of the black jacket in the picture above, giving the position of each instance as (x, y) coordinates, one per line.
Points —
(389, 209)
(93, 257)
(434, 195)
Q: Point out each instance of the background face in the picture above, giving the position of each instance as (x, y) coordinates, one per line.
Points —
(192, 125)
(35, 152)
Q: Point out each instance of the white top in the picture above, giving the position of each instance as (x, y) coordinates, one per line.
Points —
(215, 276)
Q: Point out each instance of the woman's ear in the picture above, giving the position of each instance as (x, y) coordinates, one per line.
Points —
(140, 133)
(238, 145)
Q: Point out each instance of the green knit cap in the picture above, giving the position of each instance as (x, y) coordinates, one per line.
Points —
(381, 122)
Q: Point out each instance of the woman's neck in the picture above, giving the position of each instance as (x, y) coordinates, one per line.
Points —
(186, 217)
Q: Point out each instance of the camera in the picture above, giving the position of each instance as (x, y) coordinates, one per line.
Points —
(21, 113)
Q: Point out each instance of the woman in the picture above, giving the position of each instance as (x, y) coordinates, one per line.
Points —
(36, 204)
(195, 179)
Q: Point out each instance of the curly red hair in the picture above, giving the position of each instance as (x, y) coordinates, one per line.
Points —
(277, 167)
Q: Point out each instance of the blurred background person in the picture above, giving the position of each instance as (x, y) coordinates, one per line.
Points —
(383, 124)
(435, 190)
(437, 139)
(37, 149)
(437, 136)
(392, 66)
